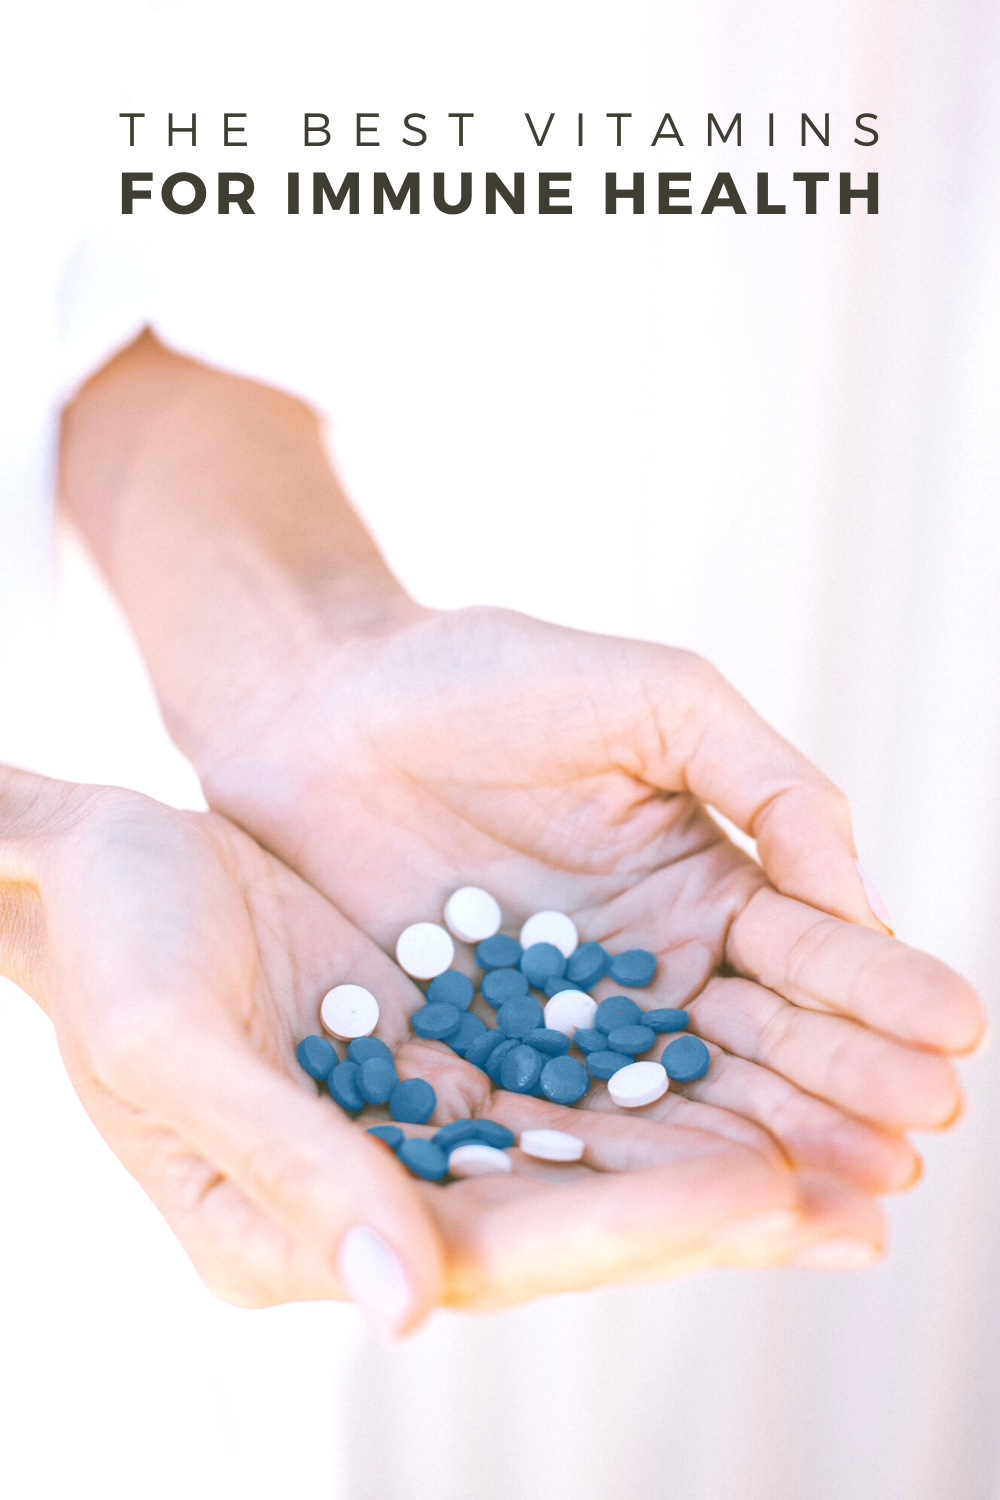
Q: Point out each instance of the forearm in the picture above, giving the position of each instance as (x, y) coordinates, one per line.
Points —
(213, 510)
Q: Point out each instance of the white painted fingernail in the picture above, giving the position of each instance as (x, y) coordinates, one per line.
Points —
(838, 1253)
(374, 1277)
(873, 898)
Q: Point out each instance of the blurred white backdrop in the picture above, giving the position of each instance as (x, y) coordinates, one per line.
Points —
(770, 439)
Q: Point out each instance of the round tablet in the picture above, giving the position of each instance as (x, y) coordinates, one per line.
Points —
(364, 1047)
(348, 1011)
(469, 1028)
(472, 914)
(665, 1019)
(568, 1010)
(547, 1040)
(478, 1051)
(495, 1061)
(521, 1069)
(503, 984)
(631, 1039)
(412, 1101)
(390, 1134)
(637, 1084)
(686, 1059)
(485, 1132)
(635, 968)
(615, 1011)
(475, 1160)
(551, 1145)
(589, 1039)
(564, 1080)
(500, 952)
(587, 965)
(606, 1064)
(451, 988)
(376, 1080)
(515, 1017)
(435, 1022)
(423, 1158)
(540, 962)
(551, 927)
(316, 1055)
(343, 1086)
(424, 950)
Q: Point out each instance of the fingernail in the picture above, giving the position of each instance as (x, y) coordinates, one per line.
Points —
(374, 1277)
(874, 899)
(839, 1253)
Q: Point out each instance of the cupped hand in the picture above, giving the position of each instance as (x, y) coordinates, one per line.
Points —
(571, 771)
(181, 964)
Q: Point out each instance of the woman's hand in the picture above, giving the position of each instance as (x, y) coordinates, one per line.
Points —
(181, 964)
(570, 771)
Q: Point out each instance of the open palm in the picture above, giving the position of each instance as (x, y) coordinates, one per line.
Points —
(570, 771)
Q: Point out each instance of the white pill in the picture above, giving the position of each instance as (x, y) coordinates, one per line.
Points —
(472, 914)
(551, 1145)
(348, 1011)
(640, 1083)
(551, 927)
(478, 1161)
(569, 1009)
(424, 950)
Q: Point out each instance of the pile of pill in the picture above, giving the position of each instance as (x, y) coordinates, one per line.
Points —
(528, 1051)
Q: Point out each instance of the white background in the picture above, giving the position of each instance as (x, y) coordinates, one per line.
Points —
(771, 439)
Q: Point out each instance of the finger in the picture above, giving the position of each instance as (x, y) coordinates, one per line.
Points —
(823, 964)
(830, 1057)
(839, 1228)
(295, 1156)
(730, 758)
(513, 1238)
(812, 1133)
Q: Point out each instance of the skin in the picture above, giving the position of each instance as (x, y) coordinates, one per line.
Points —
(388, 754)
(180, 964)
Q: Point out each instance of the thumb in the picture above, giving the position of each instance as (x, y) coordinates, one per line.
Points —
(713, 744)
(295, 1156)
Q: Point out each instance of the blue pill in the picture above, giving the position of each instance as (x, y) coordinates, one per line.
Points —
(521, 1069)
(545, 1039)
(553, 986)
(483, 1132)
(617, 1010)
(343, 1086)
(497, 1056)
(564, 1080)
(503, 984)
(587, 965)
(665, 1019)
(635, 968)
(540, 962)
(479, 1051)
(423, 1158)
(391, 1134)
(498, 952)
(364, 1047)
(435, 1022)
(376, 1080)
(412, 1101)
(451, 988)
(604, 1064)
(469, 1028)
(588, 1039)
(515, 1017)
(686, 1059)
(631, 1039)
(317, 1056)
